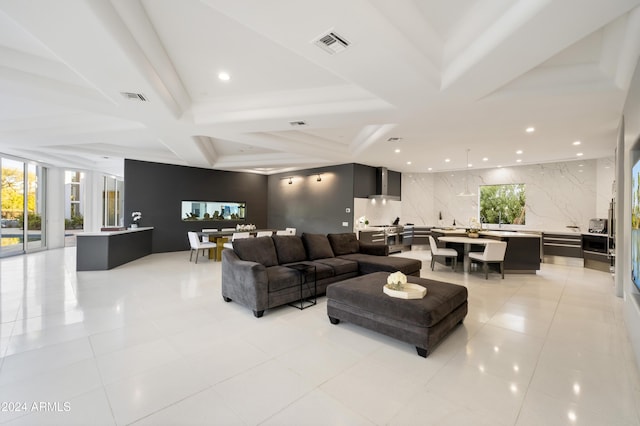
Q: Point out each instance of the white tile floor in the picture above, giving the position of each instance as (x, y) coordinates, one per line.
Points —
(152, 343)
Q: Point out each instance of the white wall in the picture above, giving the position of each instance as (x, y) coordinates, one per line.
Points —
(376, 211)
(557, 194)
(55, 208)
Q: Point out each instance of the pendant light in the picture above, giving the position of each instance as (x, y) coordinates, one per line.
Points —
(466, 192)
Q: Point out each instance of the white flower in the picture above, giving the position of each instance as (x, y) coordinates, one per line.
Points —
(136, 216)
(397, 278)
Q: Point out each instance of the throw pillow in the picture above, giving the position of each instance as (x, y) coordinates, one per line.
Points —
(317, 246)
(260, 250)
(345, 243)
(289, 248)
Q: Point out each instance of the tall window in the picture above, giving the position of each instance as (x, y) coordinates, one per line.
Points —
(73, 191)
(113, 197)
(23, 206)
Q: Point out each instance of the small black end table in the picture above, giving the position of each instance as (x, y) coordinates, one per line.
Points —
(305, 272)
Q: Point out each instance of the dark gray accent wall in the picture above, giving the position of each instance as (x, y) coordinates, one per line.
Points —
(312, 206)
(157, 191)
(321, 207)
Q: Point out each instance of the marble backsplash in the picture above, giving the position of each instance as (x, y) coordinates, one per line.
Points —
(557, 194)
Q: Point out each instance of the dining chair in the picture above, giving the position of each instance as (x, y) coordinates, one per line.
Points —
(197, 245)
(264, 234)
(236, 236)
(493, 253)
(442, 252)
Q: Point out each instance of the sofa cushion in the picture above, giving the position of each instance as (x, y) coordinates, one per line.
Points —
(368, 264)
(281, 277)
(317, 246)
(289, 248)
(260, 250)
(340, 266)
(345, 243)
(322, 271)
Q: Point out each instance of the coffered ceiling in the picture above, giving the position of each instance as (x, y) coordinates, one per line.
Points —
(442, 77)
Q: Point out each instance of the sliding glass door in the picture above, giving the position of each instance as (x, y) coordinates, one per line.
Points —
(22, 199)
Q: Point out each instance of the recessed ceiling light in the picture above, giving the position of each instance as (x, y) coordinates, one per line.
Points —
(576, 143)
(485, 159)
(499, 166)
(430, 168)
(397, 151)
(579, 154)
(580, 165)
(469, 165)
(446, 160)
(409, 162)
(519, 152)
(530, 129)
(224, 76)
(519, 160)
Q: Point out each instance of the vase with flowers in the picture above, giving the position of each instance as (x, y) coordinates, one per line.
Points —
(135, 219)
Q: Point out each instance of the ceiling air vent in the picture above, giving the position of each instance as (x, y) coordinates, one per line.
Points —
(394, 139)
(331, 42)
(134, 96)
(298, 123)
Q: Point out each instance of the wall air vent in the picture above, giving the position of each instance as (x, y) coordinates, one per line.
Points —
(394, 139)
(298, 123)
(134, 96)
(331, 43)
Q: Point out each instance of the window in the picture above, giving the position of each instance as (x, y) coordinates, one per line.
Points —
(213, 210)
(23, 206)
(502, 204)
(112, 200)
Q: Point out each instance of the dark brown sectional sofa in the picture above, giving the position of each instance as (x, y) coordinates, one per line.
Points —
(255, 272)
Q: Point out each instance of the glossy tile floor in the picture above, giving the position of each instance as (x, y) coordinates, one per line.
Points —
(152, 343)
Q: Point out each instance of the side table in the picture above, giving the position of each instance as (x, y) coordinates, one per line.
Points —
(305, 272)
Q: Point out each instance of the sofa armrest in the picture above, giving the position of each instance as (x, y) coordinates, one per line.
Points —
(244, 282)
(374, 249)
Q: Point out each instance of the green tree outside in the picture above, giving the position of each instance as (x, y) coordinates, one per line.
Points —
(503, 204)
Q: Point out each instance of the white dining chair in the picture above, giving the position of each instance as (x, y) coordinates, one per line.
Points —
(442, 252)
(197, 245)
(236, 236)
(264, 234)
(493, 253)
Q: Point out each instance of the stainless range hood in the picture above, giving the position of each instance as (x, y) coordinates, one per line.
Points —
(382, 186)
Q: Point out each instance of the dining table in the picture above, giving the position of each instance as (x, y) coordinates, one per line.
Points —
(221, 237)
(468, 242)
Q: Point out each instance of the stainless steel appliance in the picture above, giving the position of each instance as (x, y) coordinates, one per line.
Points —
(595, 246)
(598, 226)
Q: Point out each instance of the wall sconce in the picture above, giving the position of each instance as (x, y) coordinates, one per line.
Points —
(290, 181)
(319, 179)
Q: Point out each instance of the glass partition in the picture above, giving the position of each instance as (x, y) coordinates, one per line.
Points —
(213, 210)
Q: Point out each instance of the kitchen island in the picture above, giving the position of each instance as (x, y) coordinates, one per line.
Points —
(100, 251)
(523, 248)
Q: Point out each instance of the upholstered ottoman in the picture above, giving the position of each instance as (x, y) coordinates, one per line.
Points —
(420, 322)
